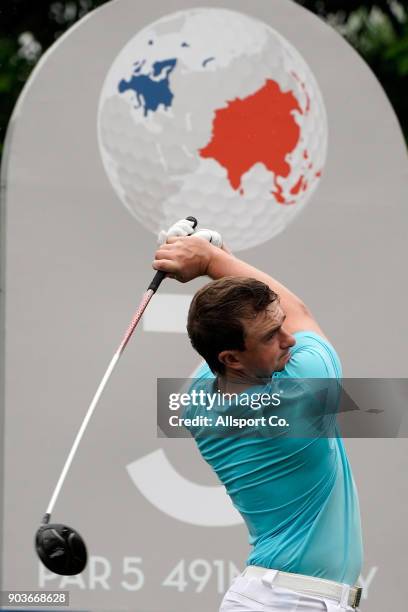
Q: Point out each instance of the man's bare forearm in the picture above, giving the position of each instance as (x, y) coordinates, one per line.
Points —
(298, 316)
(187, 257)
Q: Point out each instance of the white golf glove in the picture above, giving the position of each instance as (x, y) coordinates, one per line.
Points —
(184, 227)
(211, 235)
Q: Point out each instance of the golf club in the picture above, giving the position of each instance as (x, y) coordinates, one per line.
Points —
(61, 548)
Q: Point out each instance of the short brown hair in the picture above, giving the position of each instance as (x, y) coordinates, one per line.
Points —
(216, 313)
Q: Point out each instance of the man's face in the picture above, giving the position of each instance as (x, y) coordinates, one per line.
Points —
(267, 343)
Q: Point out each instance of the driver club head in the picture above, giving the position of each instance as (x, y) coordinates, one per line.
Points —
(61, 549)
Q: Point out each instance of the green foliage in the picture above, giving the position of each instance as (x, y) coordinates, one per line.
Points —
(14, 71)
(27, 29)
(377, 29)
(385, 48)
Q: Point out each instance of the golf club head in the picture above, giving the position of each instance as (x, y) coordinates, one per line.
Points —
(61, 549)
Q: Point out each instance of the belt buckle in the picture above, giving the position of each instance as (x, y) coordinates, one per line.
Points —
(357, 597)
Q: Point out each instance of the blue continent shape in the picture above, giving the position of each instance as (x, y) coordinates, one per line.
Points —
(150, 92)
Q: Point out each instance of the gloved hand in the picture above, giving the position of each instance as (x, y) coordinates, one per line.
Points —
(184, 227)
(211, 235)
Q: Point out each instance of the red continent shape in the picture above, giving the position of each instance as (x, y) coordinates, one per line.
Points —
(258, 128)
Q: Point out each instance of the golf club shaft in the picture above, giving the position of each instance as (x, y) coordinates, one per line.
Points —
(151, 290)
(138, 314)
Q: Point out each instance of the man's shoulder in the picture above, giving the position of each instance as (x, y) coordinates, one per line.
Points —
(313, 356)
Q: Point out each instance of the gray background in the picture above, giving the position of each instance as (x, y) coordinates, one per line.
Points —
(76, 265)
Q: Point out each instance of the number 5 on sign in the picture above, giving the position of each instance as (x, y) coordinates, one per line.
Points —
(130, 566)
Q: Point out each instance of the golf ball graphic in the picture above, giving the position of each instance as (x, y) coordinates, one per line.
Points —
(211, 113)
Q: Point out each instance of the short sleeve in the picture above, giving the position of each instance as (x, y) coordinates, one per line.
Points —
(312, 357)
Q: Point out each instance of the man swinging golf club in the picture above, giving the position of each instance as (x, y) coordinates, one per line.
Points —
(298, 500)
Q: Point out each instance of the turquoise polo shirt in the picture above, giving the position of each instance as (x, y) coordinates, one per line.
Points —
(297, 496)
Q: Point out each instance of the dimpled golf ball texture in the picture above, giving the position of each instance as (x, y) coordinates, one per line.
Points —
(211, 113)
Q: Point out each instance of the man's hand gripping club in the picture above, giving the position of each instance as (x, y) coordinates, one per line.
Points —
(185, 254)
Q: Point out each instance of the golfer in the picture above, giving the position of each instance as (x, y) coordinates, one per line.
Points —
(299, 501)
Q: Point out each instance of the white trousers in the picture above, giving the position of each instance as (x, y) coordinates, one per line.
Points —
(250, 594)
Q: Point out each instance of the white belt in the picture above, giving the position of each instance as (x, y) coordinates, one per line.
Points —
(309, 585)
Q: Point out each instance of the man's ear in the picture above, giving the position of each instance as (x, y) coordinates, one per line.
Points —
(231, 360)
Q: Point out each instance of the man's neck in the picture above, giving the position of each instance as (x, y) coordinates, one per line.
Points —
(238, 382)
